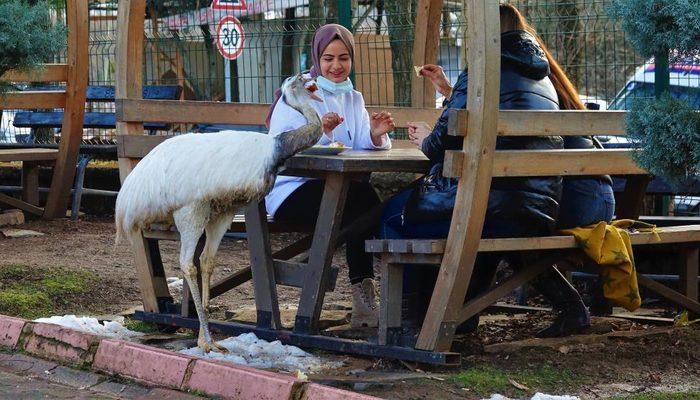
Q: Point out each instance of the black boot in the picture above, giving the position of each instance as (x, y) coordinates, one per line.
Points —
(573, 316)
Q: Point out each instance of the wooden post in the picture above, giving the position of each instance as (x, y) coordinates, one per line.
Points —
(426, 47)
(475, 183)
(30, 182)
(688, 282)
(72, 129)
(390, 299)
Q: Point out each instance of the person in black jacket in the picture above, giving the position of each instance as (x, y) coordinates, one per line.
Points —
(517, 207)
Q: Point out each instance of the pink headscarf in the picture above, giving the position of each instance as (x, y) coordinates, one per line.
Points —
(322, 38)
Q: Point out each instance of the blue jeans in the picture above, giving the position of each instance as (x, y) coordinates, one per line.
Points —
(585, 202)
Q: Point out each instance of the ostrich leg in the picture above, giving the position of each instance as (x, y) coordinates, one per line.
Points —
(190, 221)
(215, 229)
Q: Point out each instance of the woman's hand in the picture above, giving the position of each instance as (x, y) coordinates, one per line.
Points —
(380, 124)
(330, 121)
(417, 132)
(438, 78)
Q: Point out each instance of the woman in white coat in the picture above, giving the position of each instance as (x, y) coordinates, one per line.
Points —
(345, 120)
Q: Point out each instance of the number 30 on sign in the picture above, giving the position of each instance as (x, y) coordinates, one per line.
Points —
(230, 37)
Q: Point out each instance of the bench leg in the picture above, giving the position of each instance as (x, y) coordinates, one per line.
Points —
(78, 186)
(30, 182)
(390, 300)
(688, 283)
(149, 271)
(187, 309)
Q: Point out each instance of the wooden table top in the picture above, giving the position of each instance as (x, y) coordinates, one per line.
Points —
(394, 160)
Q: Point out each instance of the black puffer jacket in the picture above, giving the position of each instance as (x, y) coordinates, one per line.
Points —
(529, 205)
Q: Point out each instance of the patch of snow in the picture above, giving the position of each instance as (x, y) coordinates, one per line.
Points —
(247, 349)
(537, 396)
(111, 329)
(175, 284)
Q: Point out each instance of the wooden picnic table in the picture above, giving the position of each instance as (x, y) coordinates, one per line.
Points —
(337, 171)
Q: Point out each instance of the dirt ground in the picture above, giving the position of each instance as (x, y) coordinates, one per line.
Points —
(617, 358)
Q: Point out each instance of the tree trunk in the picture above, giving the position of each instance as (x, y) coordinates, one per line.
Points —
(316, 19)
(288, 65)
(401, 20)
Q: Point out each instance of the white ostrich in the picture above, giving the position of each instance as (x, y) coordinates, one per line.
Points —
(199, 181)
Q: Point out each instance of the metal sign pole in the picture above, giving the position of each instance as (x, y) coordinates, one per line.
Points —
(227, 79)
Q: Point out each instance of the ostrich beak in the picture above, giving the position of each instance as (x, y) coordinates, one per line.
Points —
(312, 88)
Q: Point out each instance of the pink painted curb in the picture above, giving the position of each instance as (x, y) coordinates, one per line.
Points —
(314, 391)
(10, 330)
(240, 382)
(59, 343)
(142, 363)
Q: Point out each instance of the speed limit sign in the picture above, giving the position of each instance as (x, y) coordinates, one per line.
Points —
(230, 37)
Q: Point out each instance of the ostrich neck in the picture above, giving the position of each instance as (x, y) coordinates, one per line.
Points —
(294, 141)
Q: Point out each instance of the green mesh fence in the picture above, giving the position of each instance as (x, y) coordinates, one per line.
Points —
(180, 49)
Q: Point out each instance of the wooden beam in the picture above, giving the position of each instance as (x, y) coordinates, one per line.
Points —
(48, 73)
(691, 305)
(567, 162)
(548, 123)
(35, 154)
(129, 69)
(17, 203)
(210, 112)
(73, 117)
(473, 190)
(426, 45)
(31, 99)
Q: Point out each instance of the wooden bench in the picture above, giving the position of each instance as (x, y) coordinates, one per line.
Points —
(96, 119)
(477, 163)
(71, 98)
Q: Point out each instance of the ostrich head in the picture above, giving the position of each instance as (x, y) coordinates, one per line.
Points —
(297, 92)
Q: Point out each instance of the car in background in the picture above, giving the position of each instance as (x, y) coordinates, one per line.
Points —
(684, 80)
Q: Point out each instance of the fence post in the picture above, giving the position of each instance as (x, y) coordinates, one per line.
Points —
(345, 19)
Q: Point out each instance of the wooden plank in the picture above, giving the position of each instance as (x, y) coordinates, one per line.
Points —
(670, 294)
(261, 263)
(664, 235)
(48, 73)
(234, 280)
(33, 99)
(630, 203)
(321, 253)
(72, 129)
(151, 288)
(17, 203)
(472, 193)
(548, 123)
(30, 182)
(294, 274)
(688, 276)
(36, 154)
(484, 300)
(567, 162)
(132, 109)
(391, 294)
(426, 44)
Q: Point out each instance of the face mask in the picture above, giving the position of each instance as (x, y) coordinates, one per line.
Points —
(332, 87)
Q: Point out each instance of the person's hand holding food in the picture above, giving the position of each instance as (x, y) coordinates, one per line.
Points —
(380, 123)
(330, 121)
(437, 77)
(417, 132)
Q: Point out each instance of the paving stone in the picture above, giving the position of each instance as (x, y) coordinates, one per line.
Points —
(160, 393)
(121, 389)
(15, 386)
(314, 391)
(74, 378)
(239, 382)
(20, 363)
(10, 330)
(143, 363)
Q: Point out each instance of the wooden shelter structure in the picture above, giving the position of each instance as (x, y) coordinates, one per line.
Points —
(74, 72)
(475, 164)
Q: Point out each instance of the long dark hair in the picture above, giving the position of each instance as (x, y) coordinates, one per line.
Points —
(512, 19)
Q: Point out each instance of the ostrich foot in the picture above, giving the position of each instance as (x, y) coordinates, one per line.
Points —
(209, 345)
